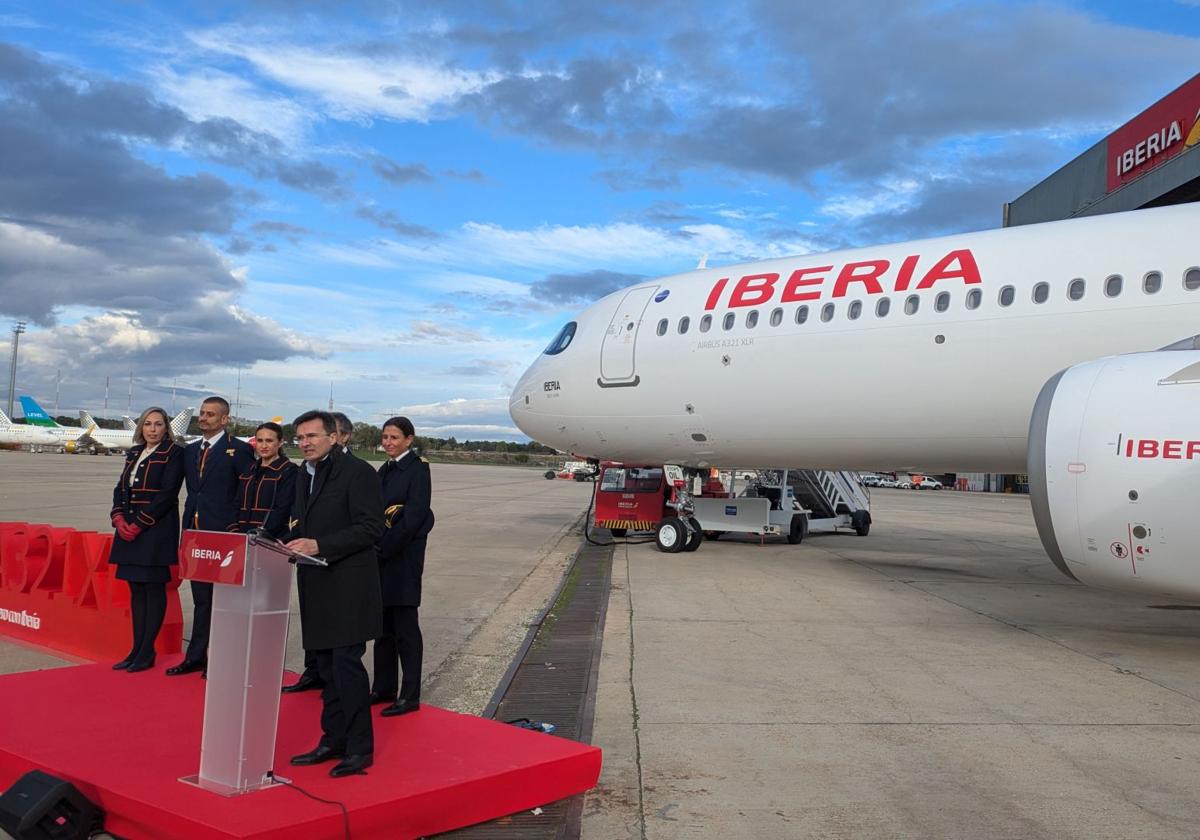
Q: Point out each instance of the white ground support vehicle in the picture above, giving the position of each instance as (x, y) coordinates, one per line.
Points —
(787, 503)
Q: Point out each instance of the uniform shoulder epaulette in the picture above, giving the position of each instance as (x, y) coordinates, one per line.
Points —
(424, 460)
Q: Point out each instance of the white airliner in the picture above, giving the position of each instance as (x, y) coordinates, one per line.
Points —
(122, 439)
(88, 435)
(996, 351)
(19, 434)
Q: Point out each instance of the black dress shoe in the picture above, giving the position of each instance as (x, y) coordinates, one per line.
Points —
(320, 754)
(143, 665)
(401, 707)
(377, 697)
(305, 683)
(123, 664)
(352, 764)
(186, 667)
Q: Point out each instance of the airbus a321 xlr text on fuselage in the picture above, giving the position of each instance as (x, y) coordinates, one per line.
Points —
(1064, 349)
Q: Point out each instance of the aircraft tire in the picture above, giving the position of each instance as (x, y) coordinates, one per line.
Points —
(799, 529)
(670, 535)
(695, 535)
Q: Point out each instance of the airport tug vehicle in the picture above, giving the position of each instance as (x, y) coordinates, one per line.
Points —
(683, 508)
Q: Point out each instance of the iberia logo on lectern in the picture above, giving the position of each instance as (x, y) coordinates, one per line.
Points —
(213, 557)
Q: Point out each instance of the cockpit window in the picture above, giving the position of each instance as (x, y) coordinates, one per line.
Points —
(563, 340)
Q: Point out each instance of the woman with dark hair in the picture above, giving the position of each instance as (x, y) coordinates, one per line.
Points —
(145, 513)
(406, 496)
(268, 490)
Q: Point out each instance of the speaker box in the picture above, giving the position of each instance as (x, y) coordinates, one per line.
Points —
(42, 807)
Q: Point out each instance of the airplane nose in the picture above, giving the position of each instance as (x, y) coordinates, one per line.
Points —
(520, 403)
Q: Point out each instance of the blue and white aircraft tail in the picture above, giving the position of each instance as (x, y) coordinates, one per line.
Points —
(35, 415)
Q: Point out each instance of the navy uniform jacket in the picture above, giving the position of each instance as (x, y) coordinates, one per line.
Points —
(339, 603)
(406, 489)
(151, 503)
(212, 499)
(266, 495)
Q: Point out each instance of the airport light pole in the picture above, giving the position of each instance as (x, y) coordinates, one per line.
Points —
(18, 328)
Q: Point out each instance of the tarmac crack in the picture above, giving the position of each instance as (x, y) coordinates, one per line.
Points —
(637, 737)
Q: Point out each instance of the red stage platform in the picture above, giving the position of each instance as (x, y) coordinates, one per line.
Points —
(125, 739)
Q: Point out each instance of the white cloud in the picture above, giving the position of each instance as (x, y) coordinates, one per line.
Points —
(208, 92)
(480, 431)
(431, 332)
(891, 196)
(555, 248)
(27, 245)
(459, 409)
(350, 86)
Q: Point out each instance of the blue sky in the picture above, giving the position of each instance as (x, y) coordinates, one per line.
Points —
(407, 200)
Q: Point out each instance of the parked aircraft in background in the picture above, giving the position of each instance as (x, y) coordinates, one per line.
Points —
(23, 434)
(990, 351)
(89, 436)
(121, 439)
(35, 415)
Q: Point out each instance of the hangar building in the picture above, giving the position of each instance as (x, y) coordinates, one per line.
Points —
(1151, 161)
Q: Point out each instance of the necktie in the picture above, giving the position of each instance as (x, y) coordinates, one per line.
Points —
(204, 447)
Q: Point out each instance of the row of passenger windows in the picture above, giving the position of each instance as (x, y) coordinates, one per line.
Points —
(1076, 290)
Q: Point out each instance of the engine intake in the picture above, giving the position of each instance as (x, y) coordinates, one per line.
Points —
(1114, 472)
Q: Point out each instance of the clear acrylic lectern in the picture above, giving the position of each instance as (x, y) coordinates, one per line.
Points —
(245, 655)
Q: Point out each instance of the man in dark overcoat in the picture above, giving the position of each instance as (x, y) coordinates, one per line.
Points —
(212, 468)
(338, 516)
(309, 678)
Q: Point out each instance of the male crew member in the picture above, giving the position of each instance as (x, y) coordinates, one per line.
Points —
(345, 430)
(212, 468)
(338, 516)
(309, 677)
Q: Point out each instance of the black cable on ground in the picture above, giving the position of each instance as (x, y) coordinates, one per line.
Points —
(315, 798)
(587, 523)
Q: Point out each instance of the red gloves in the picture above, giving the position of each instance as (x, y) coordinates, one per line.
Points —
(125, 530)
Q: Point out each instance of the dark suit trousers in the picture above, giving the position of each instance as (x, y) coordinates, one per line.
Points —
(402, 636)
(202, 595)
(346, 715)
(310, 666)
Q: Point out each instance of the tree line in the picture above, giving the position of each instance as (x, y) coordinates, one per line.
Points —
(366, 437)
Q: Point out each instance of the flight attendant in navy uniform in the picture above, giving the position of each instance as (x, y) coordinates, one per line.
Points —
(406, 489)
(268, 490)
(213, 467)
(145, 513)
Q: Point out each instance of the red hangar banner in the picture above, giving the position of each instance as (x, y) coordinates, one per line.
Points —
(57, 590)
(1167, 128)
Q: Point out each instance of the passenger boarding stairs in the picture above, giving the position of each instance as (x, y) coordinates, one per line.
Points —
(833, 498)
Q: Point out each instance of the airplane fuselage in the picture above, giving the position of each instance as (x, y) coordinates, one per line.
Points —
(801, 363)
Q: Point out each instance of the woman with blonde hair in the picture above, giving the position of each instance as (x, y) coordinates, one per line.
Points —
(145, 514)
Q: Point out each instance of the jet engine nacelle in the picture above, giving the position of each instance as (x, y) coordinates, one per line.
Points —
(1114, 472)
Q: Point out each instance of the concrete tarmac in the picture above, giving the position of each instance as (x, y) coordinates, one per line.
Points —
(935, 679)
(502, 540)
